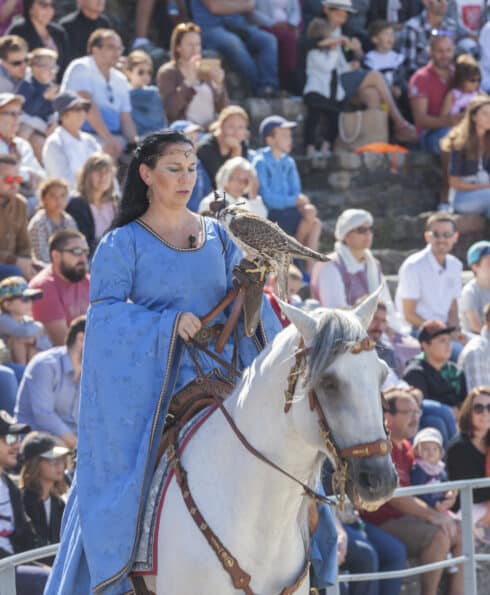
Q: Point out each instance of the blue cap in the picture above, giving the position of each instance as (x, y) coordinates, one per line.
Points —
(477, 251)
(268, 124)
(185, 126)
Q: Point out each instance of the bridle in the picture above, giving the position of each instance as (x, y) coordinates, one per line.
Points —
(339, 456)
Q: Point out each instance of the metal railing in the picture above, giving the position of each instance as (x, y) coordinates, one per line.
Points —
(7, 565)
(468, 558)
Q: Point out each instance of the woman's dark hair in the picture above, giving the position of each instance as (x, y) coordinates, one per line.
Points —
(134, 200)
(466, 412)
(466, 69)
(27, 8)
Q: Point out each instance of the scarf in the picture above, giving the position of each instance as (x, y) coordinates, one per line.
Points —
(353, 265)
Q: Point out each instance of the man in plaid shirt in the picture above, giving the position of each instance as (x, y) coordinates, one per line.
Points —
(475, 357)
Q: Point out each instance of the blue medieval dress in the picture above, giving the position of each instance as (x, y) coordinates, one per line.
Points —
(139, 287)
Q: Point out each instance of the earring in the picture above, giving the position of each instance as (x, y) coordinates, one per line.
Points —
(149, 194)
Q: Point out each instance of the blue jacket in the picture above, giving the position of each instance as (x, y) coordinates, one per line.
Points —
(420, 477)
(35, 104)
(278, 178)
(147, 110)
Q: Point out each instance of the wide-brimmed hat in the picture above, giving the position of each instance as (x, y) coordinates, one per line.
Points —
(68, 100)
(340, 5)
(8, 425)
(41, 444)
(14, 287)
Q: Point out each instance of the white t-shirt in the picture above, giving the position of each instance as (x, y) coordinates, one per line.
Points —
(433, 286)
(201, 107)
(386, 63)
(473, 298)
(6, 518)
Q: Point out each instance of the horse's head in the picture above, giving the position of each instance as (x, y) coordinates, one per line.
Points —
(345, 375)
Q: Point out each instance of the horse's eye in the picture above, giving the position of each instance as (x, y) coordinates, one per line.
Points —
(329, 383)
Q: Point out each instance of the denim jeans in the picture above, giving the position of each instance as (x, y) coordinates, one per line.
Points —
(373, 550)
(429, 140)
(439, 416)
(9, 270)
(472, 201)
(255, 58)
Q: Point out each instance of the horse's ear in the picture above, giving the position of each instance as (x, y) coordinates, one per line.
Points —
(305, 324)
(367, 308)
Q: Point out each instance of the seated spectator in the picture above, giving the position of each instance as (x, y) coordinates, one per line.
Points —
(24, 336)
(80, 24)
(432, 372)
(8, 380)
(282, 18)
(49, 218)
(49, 393)
(327, 63)
(67, 148)
(250, 51)
(227, 139)
(42, 484)
(95, 205)
(38, 120)
(29, 168)
(10, 10)
(191, 91)
(468, 144)
(280, 184)
(466, 86)
(146, 103)
(470, 16)
(429, 281)
(39, 30)
(427, 533)
(237, 182)
(427, 89)
(484, 42)
(467, 455)
(416, 35)
(476, 293)
(377, 332)
(15, 246)
(96, 78)
(16, 531)
(65, 284)
(13, 63)
(474, 360)
(203, 185)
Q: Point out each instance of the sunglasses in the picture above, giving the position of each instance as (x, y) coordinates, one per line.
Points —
(77, 251)
(10, 180)
(22, 298)
(476, 80)
(11, 439)
(480, 408)
(18, 62)
(364, 229)
(110, 93)
(441, 234)
(143, 72)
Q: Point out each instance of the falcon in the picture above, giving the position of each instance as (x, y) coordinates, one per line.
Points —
(269, 247)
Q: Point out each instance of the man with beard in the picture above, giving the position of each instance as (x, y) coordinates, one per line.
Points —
(65, 284)
(49, 393)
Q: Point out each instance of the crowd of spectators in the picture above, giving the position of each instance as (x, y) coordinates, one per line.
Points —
(73, 104)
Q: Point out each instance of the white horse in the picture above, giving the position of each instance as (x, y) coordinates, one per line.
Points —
(258, 514)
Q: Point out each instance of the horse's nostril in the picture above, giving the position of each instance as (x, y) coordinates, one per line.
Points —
(368, 480)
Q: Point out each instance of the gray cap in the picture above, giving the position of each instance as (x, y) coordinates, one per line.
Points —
(6, 98)
(68, 100)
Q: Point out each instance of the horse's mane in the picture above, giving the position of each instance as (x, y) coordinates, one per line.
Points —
(338, 332)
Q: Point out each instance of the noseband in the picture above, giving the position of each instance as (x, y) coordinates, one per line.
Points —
(359, 451)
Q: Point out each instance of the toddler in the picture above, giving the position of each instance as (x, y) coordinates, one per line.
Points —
(23, 335)
(466, 85)
(146, 104)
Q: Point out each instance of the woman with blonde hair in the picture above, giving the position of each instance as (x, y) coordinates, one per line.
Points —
(192, 88)
(228, 138)
(95, 205)
(468, 144)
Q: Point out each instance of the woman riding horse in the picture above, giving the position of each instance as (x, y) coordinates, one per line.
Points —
(159, 270)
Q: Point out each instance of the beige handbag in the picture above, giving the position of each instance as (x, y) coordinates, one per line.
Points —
(360, 128)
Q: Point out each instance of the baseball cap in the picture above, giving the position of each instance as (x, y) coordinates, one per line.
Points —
(477, 251)
(268, 124)
(433, 328)
(6, 98)
(13, 287)
(68, 100)
(428, 435)
(41, 444)
(8, 425)
(185, 126)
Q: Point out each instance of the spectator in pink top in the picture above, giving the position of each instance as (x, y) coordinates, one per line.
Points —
(65, 284)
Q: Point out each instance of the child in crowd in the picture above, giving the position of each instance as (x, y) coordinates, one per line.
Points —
(38, 118)
(280, 185)
(22, 334)
(146, 104)
(429, 467)
(384, 59)
(49, 218)
(466, 85)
